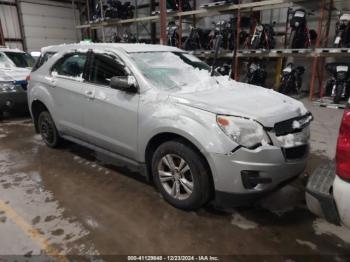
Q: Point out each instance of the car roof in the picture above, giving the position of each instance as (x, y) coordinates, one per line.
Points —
(128, 48)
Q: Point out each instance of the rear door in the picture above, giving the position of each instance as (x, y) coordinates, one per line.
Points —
(70, 94)
(111, 117)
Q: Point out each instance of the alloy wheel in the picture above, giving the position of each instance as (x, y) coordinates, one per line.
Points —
(175, 176)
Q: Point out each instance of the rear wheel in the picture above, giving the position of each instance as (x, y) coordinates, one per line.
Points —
(291, 39)
(48, 131)
(181, 175)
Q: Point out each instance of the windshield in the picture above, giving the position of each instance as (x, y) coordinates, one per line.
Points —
(21, 59)
(174, 70)
(5, 62)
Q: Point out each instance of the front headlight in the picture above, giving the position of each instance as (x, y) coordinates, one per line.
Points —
(245, 132)
(7, 86)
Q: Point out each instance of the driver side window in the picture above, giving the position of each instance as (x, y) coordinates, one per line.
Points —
(104, 67)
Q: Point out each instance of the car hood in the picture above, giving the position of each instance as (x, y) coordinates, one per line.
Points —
(239, 99)
(13, 74)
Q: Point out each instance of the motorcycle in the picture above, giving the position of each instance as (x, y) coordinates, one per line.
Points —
(292, 79)
(229, 34)
(224, 69)
(228, 31)
(198, 39)
(263, 37)
(117, 9)
(175, 5)
(339, 85)
(96, 10)
(113, 9)
(128, 37)
(173, 35)
(300, 36)
(256, 74)
(342, 31)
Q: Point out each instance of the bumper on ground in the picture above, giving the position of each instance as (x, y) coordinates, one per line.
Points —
(341, 193)
(319, 198)
(246, 175)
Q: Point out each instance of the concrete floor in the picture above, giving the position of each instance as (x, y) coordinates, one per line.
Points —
(70, 201)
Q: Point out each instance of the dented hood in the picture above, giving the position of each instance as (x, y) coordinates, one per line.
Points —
(13, 74)
(264, 105)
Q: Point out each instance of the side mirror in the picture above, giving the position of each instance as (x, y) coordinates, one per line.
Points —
(127, 84)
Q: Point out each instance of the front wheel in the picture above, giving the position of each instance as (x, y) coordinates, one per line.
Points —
(48, 131)
(338, 94)
(181, 175)
(256, 43)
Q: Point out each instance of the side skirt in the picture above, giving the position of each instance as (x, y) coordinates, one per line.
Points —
(130, 163)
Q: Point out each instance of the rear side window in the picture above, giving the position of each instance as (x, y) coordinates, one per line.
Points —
(104, 67)
(42, 60)
(72, 65)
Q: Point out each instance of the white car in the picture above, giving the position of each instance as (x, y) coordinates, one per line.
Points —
(15, 66)
(328, 189)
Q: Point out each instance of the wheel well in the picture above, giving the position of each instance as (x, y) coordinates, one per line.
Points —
(37, 108)
(159, 139)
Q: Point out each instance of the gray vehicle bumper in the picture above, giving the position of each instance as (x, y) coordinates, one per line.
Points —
(244, 176)
(13, 100)
(319, 197)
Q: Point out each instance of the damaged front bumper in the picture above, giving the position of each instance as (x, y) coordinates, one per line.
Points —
(247, 175)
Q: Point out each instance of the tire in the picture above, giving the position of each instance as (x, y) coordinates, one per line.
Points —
(194, 186)
(338, 94)
(328, 88)
(283, 89)
(256, 43)
(48, 130)
(291, 40)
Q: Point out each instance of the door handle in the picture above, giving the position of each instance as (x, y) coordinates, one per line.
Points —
(52, 81)
(89, 94)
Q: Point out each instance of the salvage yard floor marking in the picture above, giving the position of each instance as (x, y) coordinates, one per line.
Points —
(31, 232)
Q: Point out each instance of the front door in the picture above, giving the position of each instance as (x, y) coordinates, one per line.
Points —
(112, 116)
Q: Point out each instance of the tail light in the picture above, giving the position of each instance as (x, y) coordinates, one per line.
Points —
(343, 148)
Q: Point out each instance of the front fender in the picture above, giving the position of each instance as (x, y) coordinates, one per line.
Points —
(196, 125)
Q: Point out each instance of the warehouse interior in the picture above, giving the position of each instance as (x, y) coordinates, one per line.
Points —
(76, 203)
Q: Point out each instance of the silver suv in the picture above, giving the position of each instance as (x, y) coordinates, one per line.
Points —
(198, 137)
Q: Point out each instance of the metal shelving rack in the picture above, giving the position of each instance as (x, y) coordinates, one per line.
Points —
(317, 54)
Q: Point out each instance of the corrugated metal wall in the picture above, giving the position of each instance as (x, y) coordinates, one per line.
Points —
(47, 23)
(10, 24)
(44, 23)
